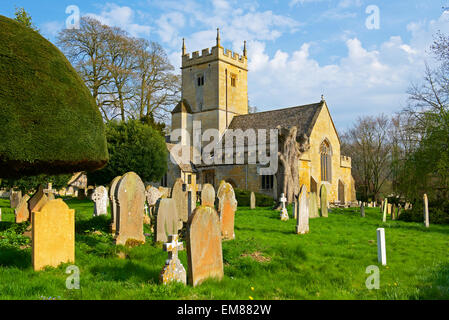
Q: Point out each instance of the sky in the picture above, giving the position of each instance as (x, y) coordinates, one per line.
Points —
(362, 55)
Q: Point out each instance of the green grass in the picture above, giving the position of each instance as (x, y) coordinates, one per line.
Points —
(328, 263)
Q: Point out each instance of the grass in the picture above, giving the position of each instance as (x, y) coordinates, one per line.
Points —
(266, 261)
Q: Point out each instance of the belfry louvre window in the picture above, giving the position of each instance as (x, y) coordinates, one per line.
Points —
(233, 80)
(326, 161)
(200, 81)
(267, 182)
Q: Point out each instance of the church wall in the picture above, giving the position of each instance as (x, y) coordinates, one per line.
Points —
(304, 174)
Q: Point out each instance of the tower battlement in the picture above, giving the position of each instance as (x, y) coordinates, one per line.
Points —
(214, 54)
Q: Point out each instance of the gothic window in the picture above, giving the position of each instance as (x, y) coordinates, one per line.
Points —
(326, 161)
(200, 80)
(267, 182)
(233, 80)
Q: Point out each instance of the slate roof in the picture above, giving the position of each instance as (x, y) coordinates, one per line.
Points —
(303, 117)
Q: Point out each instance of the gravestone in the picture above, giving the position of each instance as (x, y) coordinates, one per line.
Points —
(0, 214)
(38, 200)
(22, 212)
(381, 251)
(100, 197)
(130, 195)
(393, 212)
(323, 201)
(113, 200)
(81, 194)
(389, 207)
(53, 235)
(302, 225)
(252, 201)
(179, 195)
(153, 195)
(384, 219)
(362, 210)
(284, 212)
(204, 250)
(173, 270)
(426, 210)
(165, 192)
(227, 208)
(14, 198)
(208, 195)
(166, 219)
(313, 206)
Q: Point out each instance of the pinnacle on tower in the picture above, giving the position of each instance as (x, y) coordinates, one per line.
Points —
(244, 48)
(218, 37)
(183, 47)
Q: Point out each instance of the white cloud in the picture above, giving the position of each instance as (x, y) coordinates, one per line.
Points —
(52, 28)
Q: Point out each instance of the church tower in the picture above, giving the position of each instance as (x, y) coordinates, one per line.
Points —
(214, 88)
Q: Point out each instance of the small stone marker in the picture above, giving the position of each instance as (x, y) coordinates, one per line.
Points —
(100, 197)
(323, 201)
(426, 210)
(302, 225)
(130, 195)
(166, 219)
(384, 219)
(204, 250)
(252, 201)
(173, 270)
(362, 210)
(226, 209)
(284, 212)
(381, 251)
(21, 212)
(53, 235)
(208, 195)
(313, 206)
(113, 200)
(14, 198)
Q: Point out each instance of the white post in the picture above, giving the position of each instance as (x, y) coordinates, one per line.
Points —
(426, 211)
(381, 251)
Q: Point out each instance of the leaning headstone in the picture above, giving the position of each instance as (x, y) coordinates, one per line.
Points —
(323, 201)
(362, 210)
(113, 200)
(252, 201)
(204, 250)
(284, 212)
(38, 200)
(313, 206)
(302, 225)
(130, 194)
(426, 210)
(208, 195)
(166, 219)
(100, 197)
(22, 212)
(381, 251)
(173, 270)
(227, 208)
(53, 236)
(179, 195)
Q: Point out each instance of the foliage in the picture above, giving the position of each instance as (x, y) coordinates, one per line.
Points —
(262, 200)
(437, 212)
(50, 123)
(133, 146)
(24, 19)
(26, 184)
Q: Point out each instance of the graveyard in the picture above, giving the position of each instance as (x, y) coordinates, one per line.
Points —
(266, 260)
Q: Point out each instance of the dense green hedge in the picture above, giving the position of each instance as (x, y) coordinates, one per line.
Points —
(438, 212)
(49, 121)
(262, 200)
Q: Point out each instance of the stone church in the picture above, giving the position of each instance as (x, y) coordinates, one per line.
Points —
(215, 92)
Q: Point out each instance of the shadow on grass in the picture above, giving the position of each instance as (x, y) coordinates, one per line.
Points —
(100, 223)
(13, 257)
(127, 271)
(4, 225)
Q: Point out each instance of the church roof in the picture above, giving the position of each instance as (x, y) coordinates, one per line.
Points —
(303, 117)
(183, 106)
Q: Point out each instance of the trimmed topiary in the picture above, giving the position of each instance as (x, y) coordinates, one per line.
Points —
(49, 121)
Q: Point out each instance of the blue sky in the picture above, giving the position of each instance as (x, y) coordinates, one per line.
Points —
(298, 49)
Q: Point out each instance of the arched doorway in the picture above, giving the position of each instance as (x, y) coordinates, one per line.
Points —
(341, 192)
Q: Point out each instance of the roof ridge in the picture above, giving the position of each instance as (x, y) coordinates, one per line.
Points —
(301, 106)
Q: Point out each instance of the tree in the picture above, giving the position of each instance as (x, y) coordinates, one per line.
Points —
(24, 19)
(133, 146)
(26, 184)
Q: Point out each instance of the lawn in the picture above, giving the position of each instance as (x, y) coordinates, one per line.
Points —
(266, 261)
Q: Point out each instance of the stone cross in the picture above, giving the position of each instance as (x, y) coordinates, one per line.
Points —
(173, 270)
(381, 251)
(426, 210)
(284, 213)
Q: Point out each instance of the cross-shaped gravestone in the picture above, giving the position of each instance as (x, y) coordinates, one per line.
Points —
(284, 213)
(173, 270)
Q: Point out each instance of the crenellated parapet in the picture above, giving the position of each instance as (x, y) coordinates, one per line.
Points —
(214, 54)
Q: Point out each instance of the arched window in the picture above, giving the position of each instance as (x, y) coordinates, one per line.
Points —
(326, 161)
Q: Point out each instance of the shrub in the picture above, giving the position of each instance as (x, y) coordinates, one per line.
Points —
(438, 212)
(262, 200)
